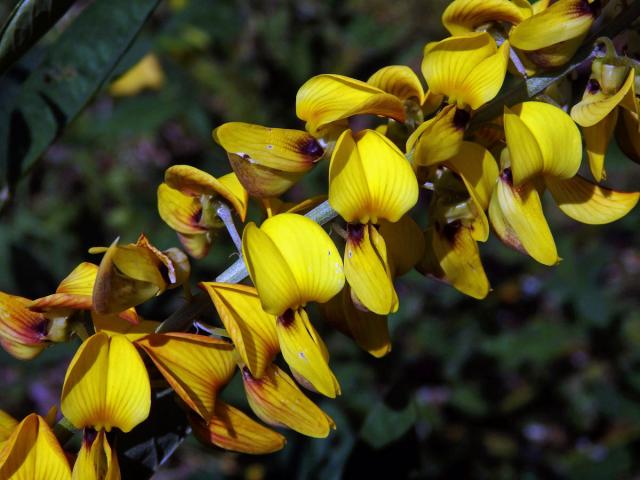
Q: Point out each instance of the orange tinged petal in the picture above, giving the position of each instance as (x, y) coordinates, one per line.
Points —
(23, 333)
(195, 366)
(277, 400)
(231, 429)
(252, 330)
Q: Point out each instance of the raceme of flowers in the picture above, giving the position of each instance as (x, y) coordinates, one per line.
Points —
(419, 187)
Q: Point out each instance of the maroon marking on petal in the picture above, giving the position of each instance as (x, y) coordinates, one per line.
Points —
(311, 148)
(506, 176)
(450, 231)
(196, 217)
(461, 119)
(89, 436)
(355, 233)
(593, 86)
(286, 318)
(584, 8)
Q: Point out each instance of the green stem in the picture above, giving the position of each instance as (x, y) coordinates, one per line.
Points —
(64, 430)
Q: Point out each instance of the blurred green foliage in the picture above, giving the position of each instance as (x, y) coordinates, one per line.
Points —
(540, 380)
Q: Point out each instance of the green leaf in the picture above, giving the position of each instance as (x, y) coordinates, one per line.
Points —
(384, 425)
(73, 70)
(28, 22)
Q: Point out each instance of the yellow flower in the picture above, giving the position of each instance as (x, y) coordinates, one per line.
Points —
(292, 261)
(131, 274)
(96, 459)
(370, 180)
(328, 99)
(23, 333)
(267, 161)
(188, 202)
(32, 452)
(146, 74)
(464, 16)
(544, 151)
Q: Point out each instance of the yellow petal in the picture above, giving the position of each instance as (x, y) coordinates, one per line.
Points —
(274, 206)
(231, 429)
(452, 255)
(324, 99)
(370, 179)
(32, 452)
(541, 139)
(192, 181)
(195, 366)
(305, 352)
(398, 80)
(292, 261)
(439, 138)
(367, 270)
(588, 203)
(146, 74)
(369, 330)
(564, 20)
(278, 148)
(405, 244)
(96, 459)
(237, 192)
(252, 330)
(517, 218)
(463, 16)
(478, 169)
(277, 400)
(468, 69)
(106, 385)
(22, 332)
(596, 105)
(596, 139)
(261, 181)
(113, 291)
(181, 212)
(553, 56)
(80, 281)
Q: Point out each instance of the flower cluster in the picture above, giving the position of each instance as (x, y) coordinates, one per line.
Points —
(415, 180)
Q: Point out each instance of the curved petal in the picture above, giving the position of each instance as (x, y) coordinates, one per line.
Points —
(106, 385)
(96, 459)
(114, 324)
(588, 203)
(439, 138)
(22, 332)
(595, 106)
(564, 20)
(324, 99)
(181, 212)
(305, 352)
(278, 148)
(541, 139)
(596, 139)
(628, 134)
(468, 69)
(195, 366)
(32, 452)
(252, 330)
(452, 255)
(231, 429)
(478, 169)
(369, 330)
(463, 16)
(367, 270)
(370, 179)
(517, 218)
(398, 80)
(80, 281)
(197, 245)
(277, 400)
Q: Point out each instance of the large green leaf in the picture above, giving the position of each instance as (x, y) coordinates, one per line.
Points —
(73, 69)
(28, 22)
